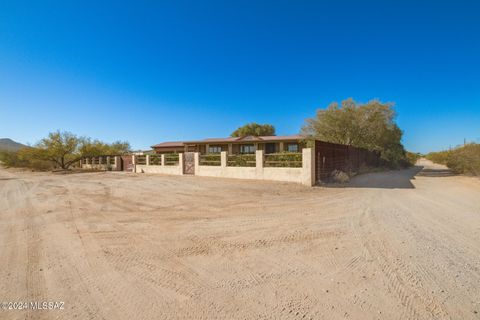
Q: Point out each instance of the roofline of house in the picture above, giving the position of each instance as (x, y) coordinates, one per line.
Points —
(179, 144)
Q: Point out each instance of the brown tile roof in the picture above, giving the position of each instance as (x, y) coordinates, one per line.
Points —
(229, 139)
(248, 138)
(169, 144)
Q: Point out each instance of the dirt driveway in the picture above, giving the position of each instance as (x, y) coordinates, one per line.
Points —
(396, 245)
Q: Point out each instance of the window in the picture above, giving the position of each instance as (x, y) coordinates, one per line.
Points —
(214, 149)
(247, 148)
(292, 147)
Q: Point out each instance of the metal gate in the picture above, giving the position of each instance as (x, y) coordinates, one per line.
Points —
(189, 163)
(127, 163)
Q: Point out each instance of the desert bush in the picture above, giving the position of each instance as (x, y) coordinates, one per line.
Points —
(370, 126)
(339, 176)
(462, 160)
(24, 159)
(62, 150)
(11, 159)
(440, 157)
(465, 160)
(411, 158)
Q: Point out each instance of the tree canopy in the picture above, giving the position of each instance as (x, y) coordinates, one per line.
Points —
(371, 126)
(64, 149)
(254, 129)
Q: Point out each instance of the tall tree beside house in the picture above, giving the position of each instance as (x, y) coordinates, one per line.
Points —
(371, 126)
(254, 129)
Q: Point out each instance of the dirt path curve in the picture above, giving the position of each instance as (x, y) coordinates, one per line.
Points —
(392, 245)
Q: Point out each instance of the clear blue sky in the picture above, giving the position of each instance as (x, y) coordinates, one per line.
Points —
(152, 71)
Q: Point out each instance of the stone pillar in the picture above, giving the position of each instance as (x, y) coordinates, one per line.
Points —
(197, 162)
(117, 162)
(162, 160)
(147, 159)
(308, 167)
(180, 162)
(223, 159)
(109, 160)
(259, 164)
(100, 160)
(134, 163)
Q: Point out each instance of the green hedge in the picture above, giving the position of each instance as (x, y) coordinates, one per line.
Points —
(171, 159)
(156, 159)
(141, 160)
(284, 159)
(210, 160)
(241, 160)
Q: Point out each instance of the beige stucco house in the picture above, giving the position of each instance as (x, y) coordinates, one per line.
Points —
(235, 145)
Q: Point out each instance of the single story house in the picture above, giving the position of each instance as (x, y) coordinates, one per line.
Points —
(235, 145)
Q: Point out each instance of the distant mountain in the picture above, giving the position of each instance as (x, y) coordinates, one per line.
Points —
(7, 144)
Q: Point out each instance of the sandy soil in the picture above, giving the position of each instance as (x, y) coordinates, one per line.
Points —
(395, 245)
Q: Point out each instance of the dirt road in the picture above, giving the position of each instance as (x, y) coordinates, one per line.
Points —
(395, 245)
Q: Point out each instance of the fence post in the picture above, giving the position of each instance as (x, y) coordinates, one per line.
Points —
(117, 162)
(162, 160)
(147, 160)
(134, 163)
(223, 159)
(196, 157)
(308, 166)
(259, 164)
(180, 162)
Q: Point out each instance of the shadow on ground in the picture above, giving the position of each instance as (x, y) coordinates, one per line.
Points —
(394, 179)
(435, 173)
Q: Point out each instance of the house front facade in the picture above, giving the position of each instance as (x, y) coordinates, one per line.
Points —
(235, 145)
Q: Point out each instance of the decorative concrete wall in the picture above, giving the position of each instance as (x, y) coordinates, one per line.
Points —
(107, 163)
(304, 175)
(163, 169)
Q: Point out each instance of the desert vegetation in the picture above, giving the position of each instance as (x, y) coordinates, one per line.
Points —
(60, 150)
(370, 126)
(463, 160)
(254, 129)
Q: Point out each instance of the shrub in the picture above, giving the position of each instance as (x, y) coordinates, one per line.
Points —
(411, 158)
(210, 160)
(24, 159)
(284, 159)
(465, 160)
(241, 160)
(171, 159)
(339, 176)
